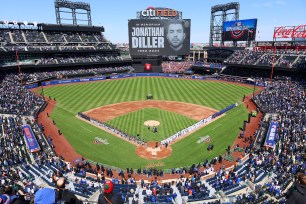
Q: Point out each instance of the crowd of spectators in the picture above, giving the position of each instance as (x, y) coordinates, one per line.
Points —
(175, 67)
(285, 98)
(39, 76)
(33, 37)
(208, 64)
(288, 58)
(268, 59)
(29, 40)
(33, 47)
(15, 99)
(251, 57)
(50, 36)
(67, 59)
(16, 186)
(4, 36)
(71, 59)
(17, 36)
(237, 56)
(55, 37)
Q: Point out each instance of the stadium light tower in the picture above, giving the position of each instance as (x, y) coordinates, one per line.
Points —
(220, 14)
(72, 9)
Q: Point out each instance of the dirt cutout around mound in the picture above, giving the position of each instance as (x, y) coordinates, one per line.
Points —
(153, 150)
(151, 123)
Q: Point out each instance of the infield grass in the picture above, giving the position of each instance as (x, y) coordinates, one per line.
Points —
(133, 123)
(82, 97)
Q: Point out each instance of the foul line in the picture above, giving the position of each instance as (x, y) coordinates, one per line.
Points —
(216, 126)
(86, 128)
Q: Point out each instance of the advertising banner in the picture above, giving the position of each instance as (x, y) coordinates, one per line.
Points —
(159, 36)
(271, 136)
(30, 139)
(68, 81)
(290, 32)
(240, 30)
(31, 86)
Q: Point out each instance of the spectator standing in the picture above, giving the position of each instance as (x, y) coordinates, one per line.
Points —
(51, 196)
(109, 197)
(298, 193)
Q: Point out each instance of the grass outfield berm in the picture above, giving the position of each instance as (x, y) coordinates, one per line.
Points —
(75, 98)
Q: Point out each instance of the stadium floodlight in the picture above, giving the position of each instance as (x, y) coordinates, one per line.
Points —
(220, 14)
(72, 7)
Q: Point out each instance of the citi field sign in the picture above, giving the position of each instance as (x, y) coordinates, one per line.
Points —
(158, 12)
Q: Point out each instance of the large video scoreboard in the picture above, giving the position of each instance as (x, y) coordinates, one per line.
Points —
(159, 36)
(240, 30)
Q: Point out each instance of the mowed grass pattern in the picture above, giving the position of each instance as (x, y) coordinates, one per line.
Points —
(82, 97)
(133, 123)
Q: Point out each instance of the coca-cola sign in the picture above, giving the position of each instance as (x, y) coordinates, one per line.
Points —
(290, 32)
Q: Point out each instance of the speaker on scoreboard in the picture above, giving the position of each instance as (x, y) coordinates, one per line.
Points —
(147, 67)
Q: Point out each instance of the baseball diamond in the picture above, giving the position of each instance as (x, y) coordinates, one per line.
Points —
(141, 108)
(210, 94)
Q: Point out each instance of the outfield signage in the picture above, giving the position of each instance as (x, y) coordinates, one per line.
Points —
(119, 76)
(31, 86)
(290, 32)
(30, 139)
(271, 136)
(68, 81)
(159, 36)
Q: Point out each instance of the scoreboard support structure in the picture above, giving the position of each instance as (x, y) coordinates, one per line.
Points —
(220, 14)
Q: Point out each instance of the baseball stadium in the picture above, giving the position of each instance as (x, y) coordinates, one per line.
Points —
(157, 119)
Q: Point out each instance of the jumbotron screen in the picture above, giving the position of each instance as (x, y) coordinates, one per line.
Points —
(240, 30)
(159, 36)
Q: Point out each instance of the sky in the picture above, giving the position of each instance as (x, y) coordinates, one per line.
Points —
(114, 14)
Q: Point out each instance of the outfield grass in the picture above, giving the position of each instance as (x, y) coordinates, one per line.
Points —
(82, 97)
(133, 123)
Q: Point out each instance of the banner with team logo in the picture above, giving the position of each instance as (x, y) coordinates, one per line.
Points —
(30, 139)
(271, 135)
(240, 30)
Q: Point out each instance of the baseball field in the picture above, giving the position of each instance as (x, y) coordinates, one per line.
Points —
(214, 96)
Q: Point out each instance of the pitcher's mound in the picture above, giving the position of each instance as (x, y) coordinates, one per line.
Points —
(153, 151)
(152, 123)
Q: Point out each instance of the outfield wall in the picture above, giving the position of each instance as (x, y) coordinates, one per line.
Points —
(119, 76)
